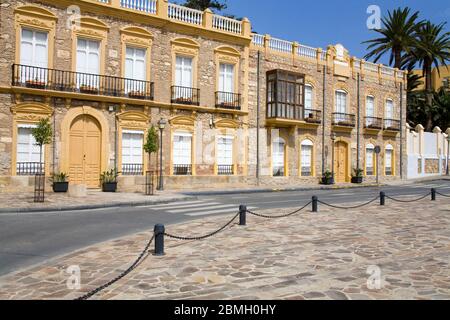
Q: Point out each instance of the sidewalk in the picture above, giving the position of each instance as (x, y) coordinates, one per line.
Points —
(23, 202)
(334, 254)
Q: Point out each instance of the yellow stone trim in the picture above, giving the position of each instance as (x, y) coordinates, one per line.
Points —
(394, 169)
(66, 123)
(226, 131)
(185, 47)
(29, 113)
(228, 55)
(174, 128)
(227, 123)
(90, 29)
(131, 120)
(38, 19)
(300, 139)
(375, 164)
(349, 157)
(140, 38)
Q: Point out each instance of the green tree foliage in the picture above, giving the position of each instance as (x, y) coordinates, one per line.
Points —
(437, 113)
(43, 135)
(215, 5)
(397, 36)
(151, 144)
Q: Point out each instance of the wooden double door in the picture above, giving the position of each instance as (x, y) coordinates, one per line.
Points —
(85, 151)
(341, 162)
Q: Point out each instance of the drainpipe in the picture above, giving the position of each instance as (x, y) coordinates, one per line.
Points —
(258, 107)
(401, 131)
(323, 117)
(358, 130)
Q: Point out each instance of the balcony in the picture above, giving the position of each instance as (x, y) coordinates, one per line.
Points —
(182, 169)
(132, 169)
(29, 168)
(313, 116)
(225, 170)
(391, 126)
(228, 100)
(92, 84)
(185, 95)
(373, 125)
(344, 121)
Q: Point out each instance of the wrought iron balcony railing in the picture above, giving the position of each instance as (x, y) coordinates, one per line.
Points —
(344, 119)
(29, 168)
(185, 95)
(373, 123)
(68, 81)
(313, 116)
(391, 125)
(182, 169)
(225, 170)
(132, 169)
(228, 100)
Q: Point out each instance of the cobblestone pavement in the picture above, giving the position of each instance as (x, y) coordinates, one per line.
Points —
(56, 201)
(306, 256)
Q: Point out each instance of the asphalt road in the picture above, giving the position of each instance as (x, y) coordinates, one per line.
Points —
(30, 238)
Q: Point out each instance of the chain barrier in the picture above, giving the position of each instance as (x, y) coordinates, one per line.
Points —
(202, 237)
(441, 194)
(138, 261)
(280, 216)
(408, 201)
(354, 207)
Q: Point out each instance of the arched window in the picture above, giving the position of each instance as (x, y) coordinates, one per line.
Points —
(388, 160)
(389, 114)
(370, 160)
(340, 106)
(306, 157)
(278, 157)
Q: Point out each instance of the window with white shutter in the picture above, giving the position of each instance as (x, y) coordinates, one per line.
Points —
(28, 152)
(88, 64)
(341, 105)
(34, 56)
(278, 157)
(183, 77)
(388, 158)
(370, 160)
(226, 83)
(306, 158)
(308, 98)
(225, 155)
(135, 70)
(370, 110)
(389, 114)
(132, 152)
(182, 153)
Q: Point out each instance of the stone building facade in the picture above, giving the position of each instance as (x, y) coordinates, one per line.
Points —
(105, 71)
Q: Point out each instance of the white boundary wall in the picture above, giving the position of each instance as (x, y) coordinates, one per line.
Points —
(427, 152)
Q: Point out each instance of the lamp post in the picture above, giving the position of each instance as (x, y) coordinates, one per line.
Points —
(333, 140)
(162, 125)
(448, 155)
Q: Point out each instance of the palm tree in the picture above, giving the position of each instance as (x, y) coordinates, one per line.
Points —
(398, 36)
(414, 81)
(432, 49)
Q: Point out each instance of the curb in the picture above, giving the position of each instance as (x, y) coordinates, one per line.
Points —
(254, 191)
(94, 206)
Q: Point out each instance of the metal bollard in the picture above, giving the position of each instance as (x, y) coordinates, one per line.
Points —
(159, 239)
(433, 194)
(242, 215)
(382, 198)
(315, 204)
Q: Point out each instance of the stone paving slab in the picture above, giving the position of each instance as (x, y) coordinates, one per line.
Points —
(306, 256)
(24, 202)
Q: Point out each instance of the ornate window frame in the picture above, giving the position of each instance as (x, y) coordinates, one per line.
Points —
(90, 29)
(370, 143)
(285, 138)
(393, 160)
(29, 113)
(228, 55)
(187, 48)
(39, 19)
(140, 38)
(302, 139)
(227, 127)
(131, 120)
(186, 124)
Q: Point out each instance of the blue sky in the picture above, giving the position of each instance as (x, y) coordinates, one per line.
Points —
(320, 23)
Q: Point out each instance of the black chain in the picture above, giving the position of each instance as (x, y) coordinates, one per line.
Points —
(441, 194)
(139, 260)
(280, 216)
(354, 207)
(408, 201)
(202, 237)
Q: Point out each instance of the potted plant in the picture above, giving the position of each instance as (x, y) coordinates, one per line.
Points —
(136, 94)
(108, 180)
(88, 89)
(60, 182)
(35, 84)
(327, 178)
(357, 176)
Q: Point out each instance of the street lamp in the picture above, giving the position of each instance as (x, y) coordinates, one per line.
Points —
(448, 155)
(162, 125)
